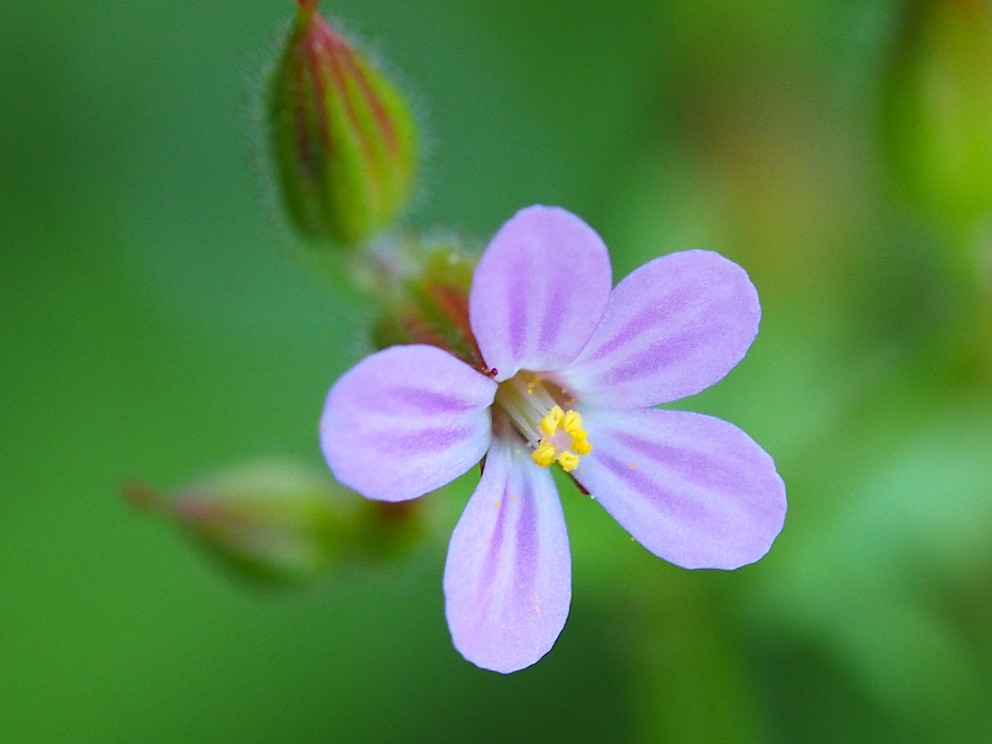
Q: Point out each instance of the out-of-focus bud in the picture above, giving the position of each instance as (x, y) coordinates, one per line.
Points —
(429, 304)
(283, 521)
(343, 139)
(938, 107)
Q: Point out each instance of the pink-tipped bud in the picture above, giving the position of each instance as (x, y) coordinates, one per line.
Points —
(283, 521)
(343, 139)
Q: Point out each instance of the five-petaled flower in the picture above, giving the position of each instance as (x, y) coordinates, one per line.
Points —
(574, 368)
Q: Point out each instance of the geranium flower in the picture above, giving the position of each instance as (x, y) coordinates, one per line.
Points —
(573, 370)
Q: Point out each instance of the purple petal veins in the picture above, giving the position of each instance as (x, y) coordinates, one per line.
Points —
(539, 291)
(692, 489)
(579, 368)
(406, 421)
(507, 580)
(672, 328)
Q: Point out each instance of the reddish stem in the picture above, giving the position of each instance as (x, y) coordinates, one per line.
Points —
(393, 512)
(307, 10)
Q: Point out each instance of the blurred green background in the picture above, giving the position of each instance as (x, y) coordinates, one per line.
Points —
(156, 321)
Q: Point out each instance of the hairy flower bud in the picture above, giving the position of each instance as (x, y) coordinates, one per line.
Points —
(282, 521)
(343, 139)
(938, 107)
(429, 305)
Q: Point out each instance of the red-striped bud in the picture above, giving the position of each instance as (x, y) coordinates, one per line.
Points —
(343, 139)
(282, 521)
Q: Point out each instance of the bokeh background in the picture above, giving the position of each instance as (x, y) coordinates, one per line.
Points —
(157, 321)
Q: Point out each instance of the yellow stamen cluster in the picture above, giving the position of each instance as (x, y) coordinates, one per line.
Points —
(550, 449)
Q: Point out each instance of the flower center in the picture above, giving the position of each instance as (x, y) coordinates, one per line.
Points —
(540, 412)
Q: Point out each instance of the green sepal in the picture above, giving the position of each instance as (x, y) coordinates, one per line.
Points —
(430, 305)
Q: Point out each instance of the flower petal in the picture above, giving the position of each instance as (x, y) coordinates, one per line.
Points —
(508, 576)
(673, 327)
(539, 291)
(406, 421)
(693, 489)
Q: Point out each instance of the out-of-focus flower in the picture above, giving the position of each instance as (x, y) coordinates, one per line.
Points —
(342, 137)
(937, 111)
(571, 372)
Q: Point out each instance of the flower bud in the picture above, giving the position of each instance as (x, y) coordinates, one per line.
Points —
(429, 305)
(343, 139)
(938, 107)
(282, 521)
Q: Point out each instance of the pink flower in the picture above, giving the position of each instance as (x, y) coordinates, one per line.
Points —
(574, 368)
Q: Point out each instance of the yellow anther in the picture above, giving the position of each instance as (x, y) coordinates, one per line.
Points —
(549, 424)
(569, 461)
(562, 440)
(572, 422)
(544, 455)
(582, 446)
